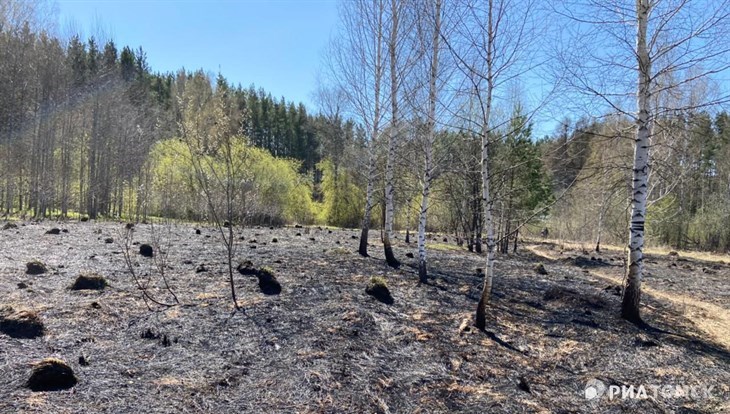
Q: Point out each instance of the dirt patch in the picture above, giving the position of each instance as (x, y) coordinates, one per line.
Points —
(565, 294)
(583, 261)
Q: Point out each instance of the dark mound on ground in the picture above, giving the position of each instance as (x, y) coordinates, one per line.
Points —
(540, 269)
(21, 324)
(89, 281)
(570, 296)
(558, 293)
(51, 375)
(582, 261)
(267, 282)
(54, 230)
(35, 267)
(146, 250)
(10, 226)
(379, 290)
(246, 268)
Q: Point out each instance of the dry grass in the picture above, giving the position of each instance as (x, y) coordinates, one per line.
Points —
(712, 319)
(697, 255)
(651, 250)
(444, 247)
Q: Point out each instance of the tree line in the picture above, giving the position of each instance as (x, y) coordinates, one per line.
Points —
(80, 119)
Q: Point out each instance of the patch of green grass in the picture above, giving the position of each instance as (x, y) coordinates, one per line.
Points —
(378, 281)
(339, 250)
(267, 271)
(444, 246)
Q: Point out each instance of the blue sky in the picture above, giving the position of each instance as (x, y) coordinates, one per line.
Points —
(276, 45)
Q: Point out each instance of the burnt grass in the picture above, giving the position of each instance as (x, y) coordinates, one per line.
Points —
(323, 345)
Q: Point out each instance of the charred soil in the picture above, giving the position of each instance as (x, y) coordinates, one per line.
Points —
(324, 345)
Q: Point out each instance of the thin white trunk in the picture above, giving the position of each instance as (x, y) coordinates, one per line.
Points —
(430, 137)
(422, 262)
(363, 250)
(372, 164)
(481, 314)
(632, 289)
(392, 137)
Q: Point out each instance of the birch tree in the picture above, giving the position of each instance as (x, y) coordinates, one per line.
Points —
(663, 45)
(356, 62)
(395, 41)
(491, 45)
(433, 18)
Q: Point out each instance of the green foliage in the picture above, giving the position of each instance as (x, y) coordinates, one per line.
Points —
(271, 189)
(708, 228)
(529, 186)
(378, 281)
(664, 219)
(344, 202)
(283, 195)
(173, 181)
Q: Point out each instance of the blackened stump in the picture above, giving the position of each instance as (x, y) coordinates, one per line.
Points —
(268, 283)
(90, 281)
(246, 268)
(35, 267)
(21, 324)
(379, 290)
(146, 250)
(51, 375)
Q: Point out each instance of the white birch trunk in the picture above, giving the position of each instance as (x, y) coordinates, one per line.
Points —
(481, 314)
(422, 262)
(378, 75)
(363, 250)
(428, 147)
(392, 138)
(632, 288)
